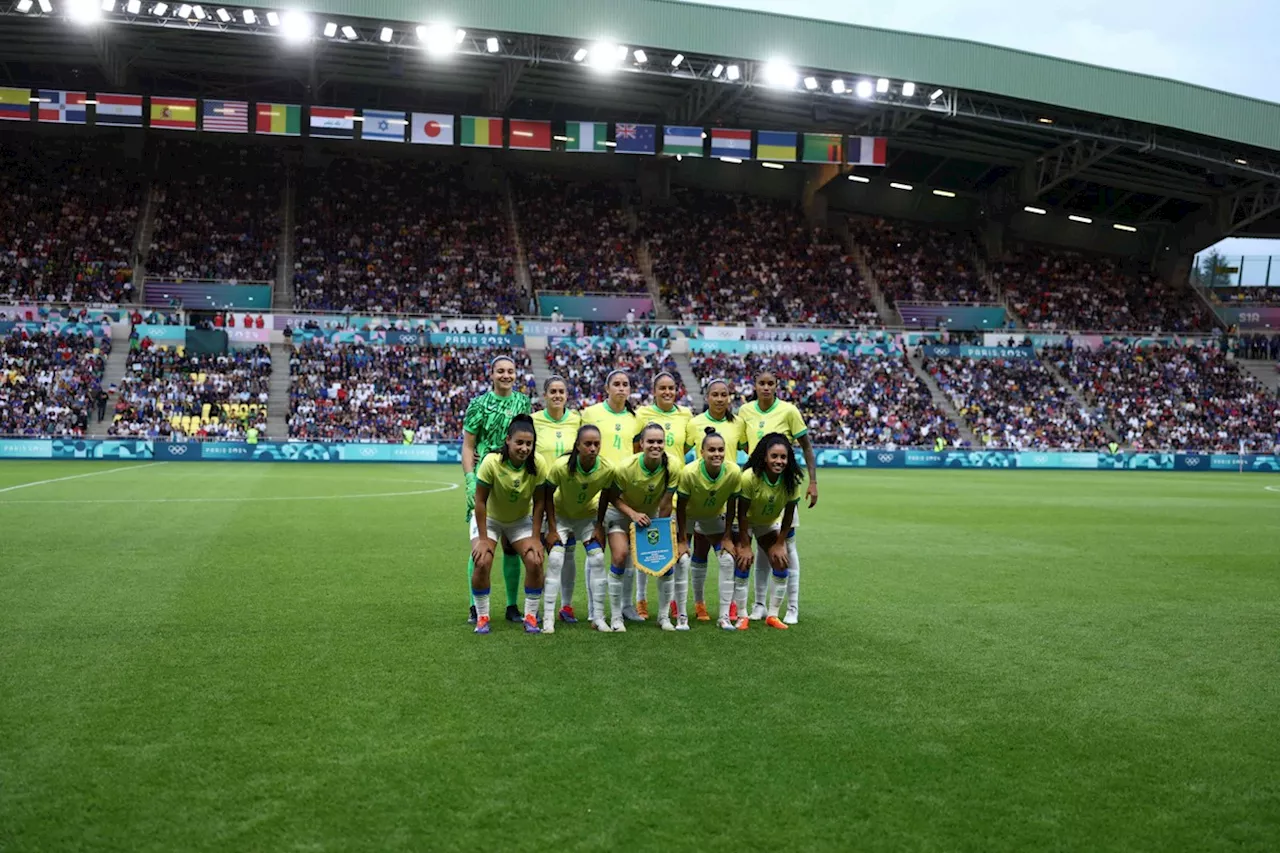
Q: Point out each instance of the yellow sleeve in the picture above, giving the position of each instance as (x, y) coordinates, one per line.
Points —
(487, 472)
(796, 424)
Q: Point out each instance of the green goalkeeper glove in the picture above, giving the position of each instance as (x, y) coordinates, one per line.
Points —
(471, 495)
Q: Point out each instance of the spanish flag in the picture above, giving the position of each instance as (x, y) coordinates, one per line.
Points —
(173, 113)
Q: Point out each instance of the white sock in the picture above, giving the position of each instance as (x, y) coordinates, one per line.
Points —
(726, 584)
(595, 570)
(617, 589)
(740, 591)
(642, 586)
(665, 584)
(793, 577)
(699, 572)
(555, 565)
(682, 585)
(532, 598)
(568, 576)
(628, 586)
(778, 590)
(762, 574)
(482, 601)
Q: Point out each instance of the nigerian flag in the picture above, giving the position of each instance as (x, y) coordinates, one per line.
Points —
(586, 136)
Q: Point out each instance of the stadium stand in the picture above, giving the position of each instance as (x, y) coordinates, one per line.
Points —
(1176, 397)
(355, 392)
(168, 393)
(68, 215)
(218, 214)
(1056, 289)
(736, 258)
(49, 382)
(913, 263)
(847, 400)
(1017, 403)
(402, 237)
(584, 371)
(576, 235)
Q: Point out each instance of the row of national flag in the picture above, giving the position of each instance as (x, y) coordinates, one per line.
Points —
(216, 116)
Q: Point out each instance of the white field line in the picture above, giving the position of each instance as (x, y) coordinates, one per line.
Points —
(78, 476)
(290, 498)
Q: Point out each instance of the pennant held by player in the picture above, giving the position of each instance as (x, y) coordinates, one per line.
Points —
(653, 548)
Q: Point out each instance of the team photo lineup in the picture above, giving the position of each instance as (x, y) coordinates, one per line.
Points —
(540, 484)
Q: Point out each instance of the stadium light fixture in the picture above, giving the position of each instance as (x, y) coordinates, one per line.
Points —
(46, 6)
(296, 26)
(773, 165)
(780, 74)
(838, 87)
(1120, 227)
(199, 13)
(349, 33)
(1044, 120)
(108, 5)
(580, 55)
(602, 55)
(1242, 162)
(641, 56)
(611, 145)
(935, 94)
(860, 179)
(903, 187)
(863, 89)
(1038, 211)
(438, 38)
(184, 11)
(160, 9)
(717, 71)
(679, 157)
(811, 83)
(133, 7)
(908, 90)
(944, 193)
(730, 159)
(83, 11)
(882, 85)
(676, 60)
(1083, 220)
(734, 72)
(273, 19)
(24, 6)
(330, 30)
(250, 17)
(560, 138)
(223, 15)
(385, 34)
(491, 44)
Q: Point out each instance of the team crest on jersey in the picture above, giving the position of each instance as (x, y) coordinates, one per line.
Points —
(559, 434)
(617, 427)
(762, 425)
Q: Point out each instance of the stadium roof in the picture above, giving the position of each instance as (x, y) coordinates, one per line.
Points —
(1005, 126)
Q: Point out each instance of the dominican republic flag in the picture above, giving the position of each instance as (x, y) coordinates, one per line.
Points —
(730, 143)
(333, 122)
(59, 107)
(383, 125)
(432, 129)
(119, 110)
(225, 116)
(682, 140)
(868, 150)
(636, 138)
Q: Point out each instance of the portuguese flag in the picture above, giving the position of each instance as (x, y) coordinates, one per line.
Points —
(278, 119)
(480, 132)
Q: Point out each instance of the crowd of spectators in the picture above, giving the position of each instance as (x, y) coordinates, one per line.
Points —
(1256, 345)
(1175, 397)
(576, 235)
(1017, 404)
(50, 383)
(217, 213)
(917, 263)
(68, 215)
(847, 399)
(1057, 289)
(358, 392)
(170, 394)
(402, 237)
(737, 258)
(584, 370)
(1251, 295)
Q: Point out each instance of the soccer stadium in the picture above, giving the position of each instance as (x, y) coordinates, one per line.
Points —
(365, 367)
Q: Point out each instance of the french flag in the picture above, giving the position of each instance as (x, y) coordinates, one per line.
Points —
(58, 107)
(868, 150)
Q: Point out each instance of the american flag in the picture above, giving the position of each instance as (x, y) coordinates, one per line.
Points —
(226, 116)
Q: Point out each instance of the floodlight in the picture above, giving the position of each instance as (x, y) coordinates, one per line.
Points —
(184, 11)
(605, 54)
(641, 56)
(935, 94)
(273, 19)
(1084, 220)
(882, 85)
(46, 6)
(944, 193)
(250, 16)
(860, 179)
(730, 159)
(811, 83)
(837, 86)
(438, 38)
(349, 32)
(133, 7)
(780, 74)
(83, 11)
(734, 72)
(676, 60)
(491, 44)
(199, 13)
(223, 15)
(898, 186)
(1038, 211)
(908, 90)
(330, 29)
(160, 9)
(25, 5)
(295, 25)
(580, 54)
(108, 5)
(773, 165)
(863, 89)
(1120, 227)
(385, 34)
(717, 71)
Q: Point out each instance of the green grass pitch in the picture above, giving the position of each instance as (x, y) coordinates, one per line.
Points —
(273, 658)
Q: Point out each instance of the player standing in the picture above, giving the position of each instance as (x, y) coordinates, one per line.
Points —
(557, 426)
(484, 430)
(664, 412)
(573, 486)
(767, 496)
(705, 494)
(764, 415)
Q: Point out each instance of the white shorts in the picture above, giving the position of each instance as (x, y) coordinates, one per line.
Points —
(709, 526)
(512, 531)
(758, 530)
(615, 522)
(580, 529)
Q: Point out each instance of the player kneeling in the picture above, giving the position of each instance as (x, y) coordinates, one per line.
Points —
(705, 494)
(508, 498)
(767, 496)
(572, 497)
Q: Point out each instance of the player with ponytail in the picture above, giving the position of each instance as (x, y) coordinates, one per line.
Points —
(573, 486)
(557, 425)
(705, 495)
(673, 419)
(768, 492)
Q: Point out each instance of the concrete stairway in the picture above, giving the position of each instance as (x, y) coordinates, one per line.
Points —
(645, 259)
(689, 380)
(942, 401)
(889, 315)
(1262, 370)
(522, 258)
(1080, 401)
(541, 372)
(278, 394)
(112, 374)
(282, 294)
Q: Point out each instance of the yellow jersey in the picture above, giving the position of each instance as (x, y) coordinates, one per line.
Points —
(578, 491)
(674, 422)
(703, 497)
(617, 431)
(642, 489)
(782, 417)
(510, 489)
(767, 500)
(555, 438)
(731, 430)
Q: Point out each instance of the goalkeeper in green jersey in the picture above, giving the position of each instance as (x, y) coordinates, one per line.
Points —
(484, 429)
